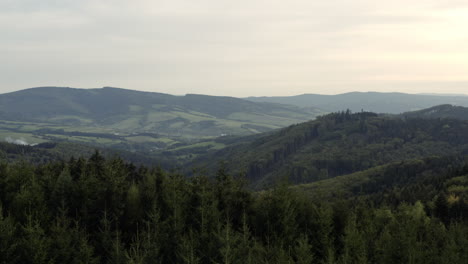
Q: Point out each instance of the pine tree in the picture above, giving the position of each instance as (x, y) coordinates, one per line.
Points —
(8, 239)
(61, 192)
(188, 250)
(34, 244)
(133, 207)
(323, 227)
(441, 209)
(303, 251)
(354, 243)
(137, 253)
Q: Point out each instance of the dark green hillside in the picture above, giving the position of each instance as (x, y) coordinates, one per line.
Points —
(100, 211)
(60, 151)
(339, 144)
(393, 103)
(440, 111)
(125, 111)
(441, 183)
(384, 189)
(396, 182)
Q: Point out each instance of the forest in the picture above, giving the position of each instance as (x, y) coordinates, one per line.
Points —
(101, 210)
(338, 144)
(233, 132)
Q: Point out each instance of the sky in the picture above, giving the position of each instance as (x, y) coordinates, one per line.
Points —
(236, 48)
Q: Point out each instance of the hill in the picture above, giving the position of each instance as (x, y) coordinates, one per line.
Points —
(99, 210)
(124, 111)
(392, 103)
(339, 144)
(64, 151)
(396, 182)
(440, 111)
(136, 121)
(384, 189)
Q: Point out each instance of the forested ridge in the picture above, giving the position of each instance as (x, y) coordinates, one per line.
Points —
(339, 144)
(55, 151)
(101, 210)
(345, 188)
(393, 103)
(440, 111)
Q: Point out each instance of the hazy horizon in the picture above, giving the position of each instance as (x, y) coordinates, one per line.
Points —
(154, 91)
(240, 49)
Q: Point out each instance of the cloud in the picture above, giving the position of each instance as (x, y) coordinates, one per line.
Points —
(20, 141)
(240, 48)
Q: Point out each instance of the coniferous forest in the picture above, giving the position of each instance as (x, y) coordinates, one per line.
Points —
(233, 132)
(100, 210)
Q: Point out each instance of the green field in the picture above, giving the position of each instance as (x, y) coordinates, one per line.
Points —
(136, 120)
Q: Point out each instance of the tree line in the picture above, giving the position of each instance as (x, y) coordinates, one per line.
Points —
(99, 210)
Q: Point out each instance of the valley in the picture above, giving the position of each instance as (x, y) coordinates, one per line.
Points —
(233, 132)
(235, 183)
(136, 121)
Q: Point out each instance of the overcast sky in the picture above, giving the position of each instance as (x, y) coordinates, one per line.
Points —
(236, 48)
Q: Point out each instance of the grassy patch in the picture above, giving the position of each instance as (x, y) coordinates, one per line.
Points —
(264, 119)
(129, 124)
(213, 145)
(9, 136)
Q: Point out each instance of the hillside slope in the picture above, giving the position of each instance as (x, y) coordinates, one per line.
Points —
(404, 181)
(440, 111)
(121, 110)
(392, 103)
(64, 151)
(339, 144)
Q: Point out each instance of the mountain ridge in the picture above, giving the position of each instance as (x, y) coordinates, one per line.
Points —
(129, 110)
(339, 144)
(440, 111)
(392, 103)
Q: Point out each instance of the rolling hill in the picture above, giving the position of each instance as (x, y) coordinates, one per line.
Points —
(409, 181)
(440, 111)
(122, 110)
(392, 103)
(64, 151)
(134, 120)
(339, 144)
(368, 188)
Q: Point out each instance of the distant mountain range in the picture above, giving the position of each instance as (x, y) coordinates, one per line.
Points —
(154, 122)
(392, 103)
(122, 110)
(282, 140)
